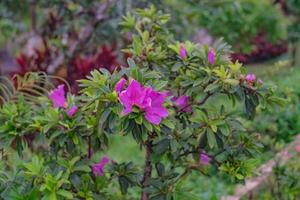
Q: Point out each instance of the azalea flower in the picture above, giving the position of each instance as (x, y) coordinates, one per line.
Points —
(120, 85)
(250, 78)
(182, 51)
(57, 96)
(98, 169)
(182, 102)
(71, 112)
(134, 95)
(211, 56)
(204, 159)
(146, 99)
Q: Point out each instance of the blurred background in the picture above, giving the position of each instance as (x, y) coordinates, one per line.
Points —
(69, 38)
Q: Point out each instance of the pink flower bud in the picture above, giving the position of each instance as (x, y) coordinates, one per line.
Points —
(204, 158)
(250, 78)
(182, 52)
(211, 56)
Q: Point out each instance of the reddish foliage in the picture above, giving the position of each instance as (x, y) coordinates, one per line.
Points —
(263, 50)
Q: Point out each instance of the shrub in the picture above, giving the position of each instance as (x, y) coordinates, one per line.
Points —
(51, 144)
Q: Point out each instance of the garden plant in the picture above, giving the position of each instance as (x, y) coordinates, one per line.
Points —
(174, 100)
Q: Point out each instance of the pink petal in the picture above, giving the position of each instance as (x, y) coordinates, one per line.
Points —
(182, 51)
(98, 169)
(204, 159)
(57, 96)
(72, 111)
(126, 102)
(159, 111)
(120, 85)
(250, 78)
(153, 118)
(211, 56)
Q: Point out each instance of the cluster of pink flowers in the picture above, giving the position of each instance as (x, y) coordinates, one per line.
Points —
(57, 96)
(146, 99)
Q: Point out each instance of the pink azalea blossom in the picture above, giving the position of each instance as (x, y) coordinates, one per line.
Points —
(250, 78)
(182, 51)
(204, 158)
(98, 169)
(120, 85)
(183, 103)
(57, 96)
(145, 99)
(211, 56)
(134, 95)
(71, 112)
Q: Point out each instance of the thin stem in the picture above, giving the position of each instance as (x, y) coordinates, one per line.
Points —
(90, 147)
(198, 103)
(147, 167)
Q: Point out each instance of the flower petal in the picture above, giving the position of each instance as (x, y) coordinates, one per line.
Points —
(71, 112)
(57, 96)
(120, 85)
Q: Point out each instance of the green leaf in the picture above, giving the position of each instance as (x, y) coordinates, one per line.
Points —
(161, 146)
(211, 138)
(168, 124)
(212, 87)
(225, 129)
(65, 194)
(239, 176)
(131, 63)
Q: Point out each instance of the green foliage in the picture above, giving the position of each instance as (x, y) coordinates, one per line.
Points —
(294, 27)
(284, 182)
(58, 160)
(238, 21)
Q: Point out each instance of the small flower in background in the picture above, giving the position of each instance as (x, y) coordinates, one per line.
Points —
(57, 96)
(182, 51)
(211, 56)
(204, 158)
(71, 112)
(145, 99)
(98, 169)
(120, 85)
(297, 148)
(183, 103)
(260, 82)
(250, 78)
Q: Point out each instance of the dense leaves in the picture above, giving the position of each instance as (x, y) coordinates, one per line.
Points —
(188, 86)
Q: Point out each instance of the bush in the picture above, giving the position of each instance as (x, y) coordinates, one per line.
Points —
(53, 143)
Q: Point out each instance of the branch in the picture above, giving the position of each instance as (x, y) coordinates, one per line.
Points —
(209, 94)
(147, 167)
